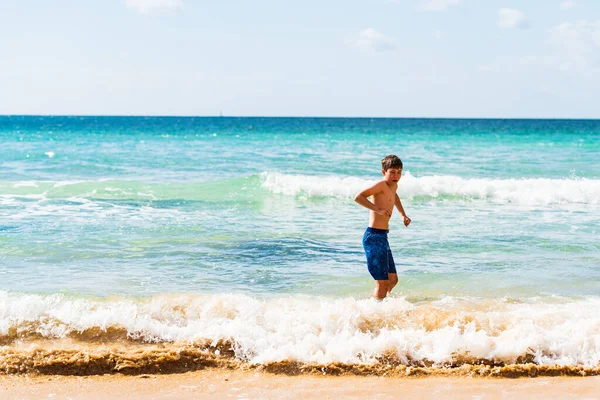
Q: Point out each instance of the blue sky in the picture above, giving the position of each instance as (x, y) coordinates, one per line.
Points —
(395, 58)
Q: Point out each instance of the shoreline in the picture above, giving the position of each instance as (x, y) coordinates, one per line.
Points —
(218, 383)
(71, 358)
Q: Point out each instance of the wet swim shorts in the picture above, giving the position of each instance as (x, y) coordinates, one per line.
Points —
(379, 256)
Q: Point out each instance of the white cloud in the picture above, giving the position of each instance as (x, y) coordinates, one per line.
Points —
(155, 6)
(438, 5)
(577, 45)
(573, 47)
(370, 39)
(566, 4)
(510, 18)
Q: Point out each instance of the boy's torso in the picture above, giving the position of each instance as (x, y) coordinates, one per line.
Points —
(384, 200)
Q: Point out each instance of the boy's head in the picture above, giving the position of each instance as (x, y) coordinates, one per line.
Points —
(391, 168)
(391, 161)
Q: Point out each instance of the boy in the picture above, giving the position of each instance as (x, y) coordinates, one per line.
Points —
(379, 256)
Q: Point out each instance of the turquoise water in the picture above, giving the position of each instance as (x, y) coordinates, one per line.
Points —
(244, 231)
(143, 206)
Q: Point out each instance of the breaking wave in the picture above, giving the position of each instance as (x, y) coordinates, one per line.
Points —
(539, 191)
(535, 192)
(298, 333)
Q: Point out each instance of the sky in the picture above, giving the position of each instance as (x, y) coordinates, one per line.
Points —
(340, 58)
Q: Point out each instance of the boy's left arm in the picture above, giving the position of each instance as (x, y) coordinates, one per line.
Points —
(401, 209)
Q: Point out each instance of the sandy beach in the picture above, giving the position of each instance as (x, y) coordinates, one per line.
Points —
(222, 384)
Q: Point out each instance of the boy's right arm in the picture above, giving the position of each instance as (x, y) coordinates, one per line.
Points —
(362, 199)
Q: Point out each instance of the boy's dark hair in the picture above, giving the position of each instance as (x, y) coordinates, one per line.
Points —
(391, 161)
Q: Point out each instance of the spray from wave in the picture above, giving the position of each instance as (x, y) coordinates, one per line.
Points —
(540, 191)
(300, 332)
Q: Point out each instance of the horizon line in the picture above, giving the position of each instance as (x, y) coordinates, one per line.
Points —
(299, 117)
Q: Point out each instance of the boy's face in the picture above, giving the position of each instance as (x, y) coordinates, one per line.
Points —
(392, 175)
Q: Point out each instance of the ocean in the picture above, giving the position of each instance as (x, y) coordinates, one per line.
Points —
(236, 241)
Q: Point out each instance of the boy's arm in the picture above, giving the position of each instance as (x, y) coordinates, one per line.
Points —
(362, 199)
(401, 210)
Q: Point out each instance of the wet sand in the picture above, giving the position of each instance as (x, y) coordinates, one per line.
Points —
(224, 384)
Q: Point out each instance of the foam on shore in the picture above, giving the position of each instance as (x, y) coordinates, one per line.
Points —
(303, 330)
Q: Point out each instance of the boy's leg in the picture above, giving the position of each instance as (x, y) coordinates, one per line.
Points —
(393, 276)
(376, 249)
(393, 281)
(381, 289)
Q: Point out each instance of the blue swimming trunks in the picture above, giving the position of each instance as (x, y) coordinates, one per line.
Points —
(379, 256)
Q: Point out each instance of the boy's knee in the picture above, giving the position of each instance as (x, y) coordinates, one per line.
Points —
(381, 289)
(382, 284)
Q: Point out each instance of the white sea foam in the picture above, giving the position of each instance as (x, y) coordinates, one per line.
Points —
(539, 191)
(69, 183)
(311, 329)
(25, 184)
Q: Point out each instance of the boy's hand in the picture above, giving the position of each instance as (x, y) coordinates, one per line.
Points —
(406, 221)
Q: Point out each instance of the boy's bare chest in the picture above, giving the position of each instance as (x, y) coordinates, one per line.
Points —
(386, 197)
